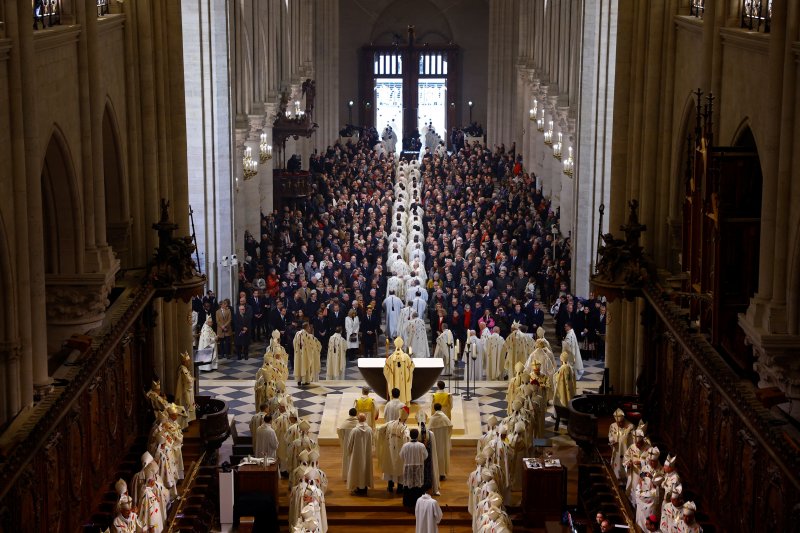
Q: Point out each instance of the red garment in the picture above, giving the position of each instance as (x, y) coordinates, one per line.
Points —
(467, 319)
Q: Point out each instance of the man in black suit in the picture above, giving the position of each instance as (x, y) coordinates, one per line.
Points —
(242, 320)
(256, 302)
(335, 317)
(370, 327)
(536, 316)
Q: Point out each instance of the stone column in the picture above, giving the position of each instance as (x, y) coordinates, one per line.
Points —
(267, 179)
(326, 66)
(240, 210)
(10, 403)
(22, 118)
(250, 189)
(760, 311)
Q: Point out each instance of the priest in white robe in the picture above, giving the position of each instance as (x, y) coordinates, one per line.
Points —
(266, 441)
(391, 411)
(493, 355)
(337, 356)
(544, 356)
(396, 434)
(428, 514)
(392, 305)
(306, 356)
(413, 455)
(565, 387)
(359, 450)
(516, 349)
(571, 346)
(442, 428)
(184, 390)
(473, 355)
(445, 347)
(417, 336)
(343, 433)
(402, 323)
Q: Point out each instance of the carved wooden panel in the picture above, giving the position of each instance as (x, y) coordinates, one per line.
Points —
(742, 479)
(61, 479)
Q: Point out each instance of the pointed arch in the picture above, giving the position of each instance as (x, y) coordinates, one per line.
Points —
(62, 211)
(8, 324)
(117, 198)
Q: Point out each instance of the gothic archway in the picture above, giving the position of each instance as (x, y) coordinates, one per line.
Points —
(117, 202)
(62, 215)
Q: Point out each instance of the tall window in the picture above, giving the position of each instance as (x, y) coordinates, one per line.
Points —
(432, 92)
(46, 13)
(388, 75)
(697, 8)
(102, 7)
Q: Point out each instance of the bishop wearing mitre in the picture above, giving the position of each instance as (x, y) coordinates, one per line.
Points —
(398, 371)
(184, 389)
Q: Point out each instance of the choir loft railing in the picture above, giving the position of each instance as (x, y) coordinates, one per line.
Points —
(757, 15)
(102, 7)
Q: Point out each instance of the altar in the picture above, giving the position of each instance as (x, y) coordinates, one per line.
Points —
(426, 372)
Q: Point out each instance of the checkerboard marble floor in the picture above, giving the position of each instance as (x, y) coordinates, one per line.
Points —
(233, 382)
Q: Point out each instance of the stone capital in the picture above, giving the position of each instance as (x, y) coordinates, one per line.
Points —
(256, 125)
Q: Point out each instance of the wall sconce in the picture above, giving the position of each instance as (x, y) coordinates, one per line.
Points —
(569, 163)
(350, 112)
(249, 165)
(557, 147)
(548, 135)
(265, 150)
(470, 111)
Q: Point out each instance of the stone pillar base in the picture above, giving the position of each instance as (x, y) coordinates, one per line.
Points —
(75, 304)
(777, 362)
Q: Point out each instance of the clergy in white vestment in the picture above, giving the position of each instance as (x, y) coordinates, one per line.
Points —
(391, 411)
(396, 434)
(392, 305)
(208, 339)
(571, 346)
(184, 389)
(343, 433)
(126, 520)
(493, 355)
(266, 441)
(417, 336)
(398, 371)
(620, 437)
(445, 347)
(284, 424)
(516, 348)
(442, 428)
(428, 514)
(564, 386)
(307, 350)
(337, 356)
(359, 448)
(150, 513)
(418, 304)
(647, 500)
(544, 356)
(256, 419)
(402, 323)
(413, 455)
(473, 355)
(296, 500)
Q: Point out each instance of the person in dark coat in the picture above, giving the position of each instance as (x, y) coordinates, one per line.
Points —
(370, 328)
(242, 321)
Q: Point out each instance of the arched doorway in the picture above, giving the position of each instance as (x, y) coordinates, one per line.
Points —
(118, 220)
(722, 225)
